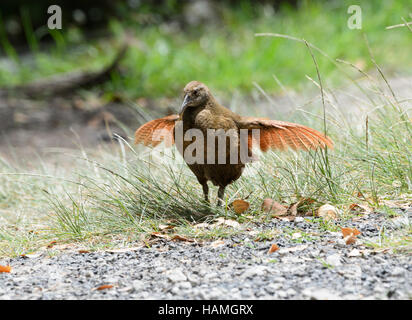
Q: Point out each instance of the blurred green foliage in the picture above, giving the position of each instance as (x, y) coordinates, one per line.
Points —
(224, 53)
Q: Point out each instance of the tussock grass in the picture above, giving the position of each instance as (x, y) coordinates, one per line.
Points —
(133, 193)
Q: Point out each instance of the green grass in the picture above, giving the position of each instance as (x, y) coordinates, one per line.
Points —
(228, 56)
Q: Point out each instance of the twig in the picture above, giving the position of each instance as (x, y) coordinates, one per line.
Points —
(407, 24)
(399, 25)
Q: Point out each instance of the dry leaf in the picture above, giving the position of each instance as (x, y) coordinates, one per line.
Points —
(293, 209)
(327, 212)
(84, 251)
(65, 246)
(273, 207)
(181, 238)
(159, 235)
(228, 222)
(350, 231)
(51, 244)
(31, 255)
(350, 239)
(163, 227)
(301, 207)
(240, 206)
(360, 208)
(5, 269)
(122, 250)
(103, 287)
(274, 247)
(202, 225)
(294, 249)
(217, 243)
(349, 235)
(289, 218)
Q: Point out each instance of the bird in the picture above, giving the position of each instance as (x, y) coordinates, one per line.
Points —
(193, 131)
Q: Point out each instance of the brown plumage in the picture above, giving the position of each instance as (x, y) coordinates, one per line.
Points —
(201, 111)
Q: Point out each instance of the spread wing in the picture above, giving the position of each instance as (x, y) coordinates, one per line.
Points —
(281, 135)
(154, 132)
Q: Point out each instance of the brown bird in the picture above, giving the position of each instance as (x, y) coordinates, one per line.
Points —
(195, 131)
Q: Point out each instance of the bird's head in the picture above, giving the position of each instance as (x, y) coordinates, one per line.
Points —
(195, 94)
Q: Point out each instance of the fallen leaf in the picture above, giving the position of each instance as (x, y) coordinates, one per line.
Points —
(396, 204)
(84, 251)
(5, 269)
(302, 207)
(350, 239)
(240, 206)
(293, 249)
(31, 255)
(350, 231)
(273, 207)
(181, 238)
(51, 244)
(104, 287)
(381, 250)
(122, 250)
(327, 212)
(159, 235)
(293, 209)
(349, 235)
(274, 247)
(228, 222)
(202, 225)
(217, 243)
(360, 208)
(163, 227)
(286, 218)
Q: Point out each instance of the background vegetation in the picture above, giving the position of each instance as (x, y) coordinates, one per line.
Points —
(218, 47)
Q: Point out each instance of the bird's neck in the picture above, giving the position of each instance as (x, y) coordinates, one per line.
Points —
(191, 112)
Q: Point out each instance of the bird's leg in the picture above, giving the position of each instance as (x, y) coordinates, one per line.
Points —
(206, 191)
(220, 194)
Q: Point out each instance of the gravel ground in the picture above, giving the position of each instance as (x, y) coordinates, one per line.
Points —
(321, 267)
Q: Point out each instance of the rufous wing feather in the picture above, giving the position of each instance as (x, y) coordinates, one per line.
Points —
(281, 135)
(154, 132)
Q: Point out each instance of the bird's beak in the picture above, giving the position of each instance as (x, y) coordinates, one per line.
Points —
(184, 104)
